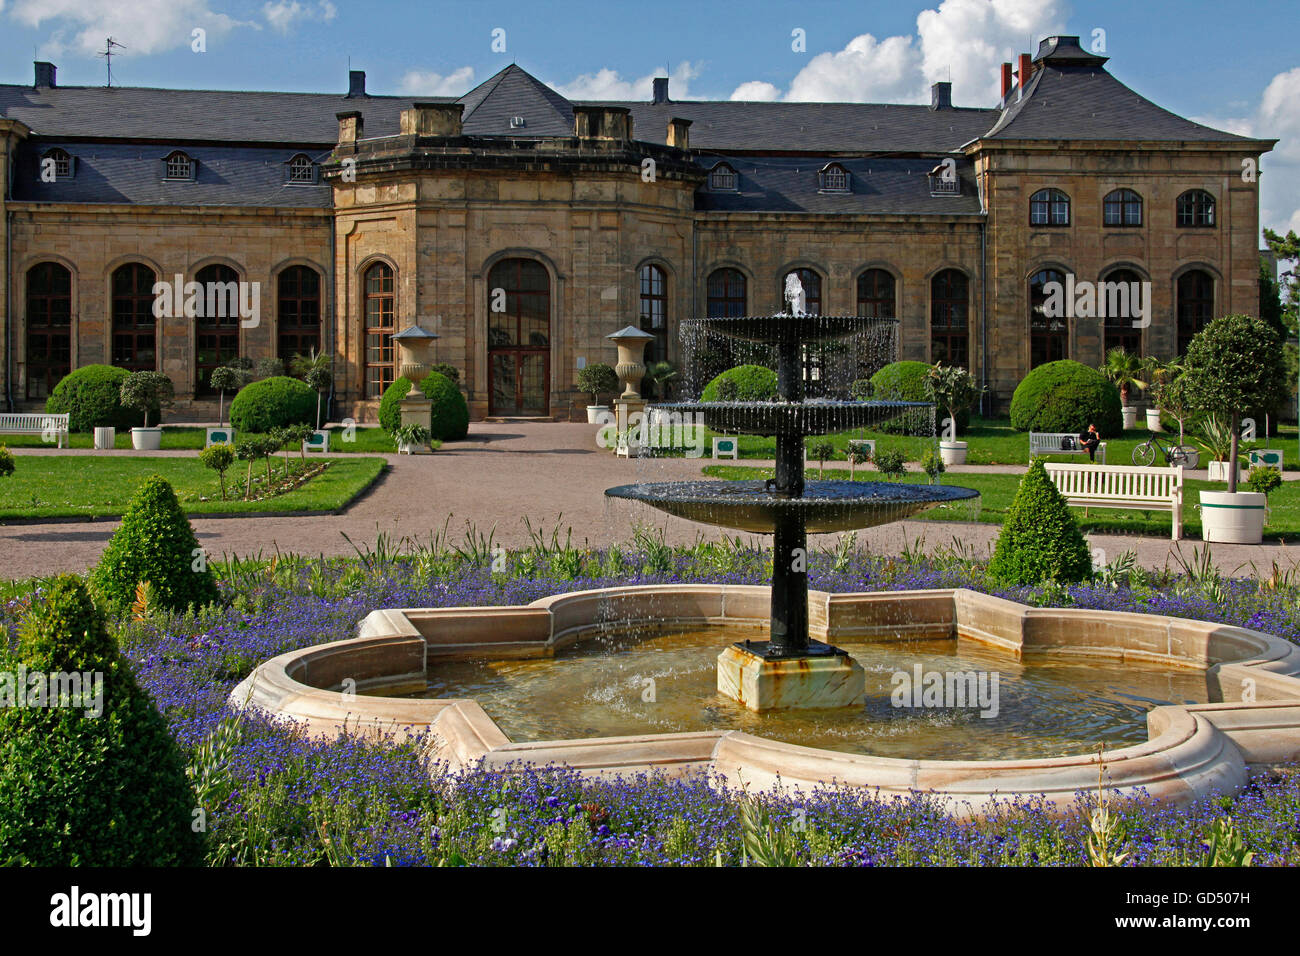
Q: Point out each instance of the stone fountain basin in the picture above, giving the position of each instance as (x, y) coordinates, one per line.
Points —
(825, 506)
(809, 417)
(1191, 750)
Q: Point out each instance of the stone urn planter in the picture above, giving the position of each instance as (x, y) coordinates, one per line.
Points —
(1153, 420)
(1232, 518)
(146, 439)
(595, 413)
(952, 452)
(1130, 414)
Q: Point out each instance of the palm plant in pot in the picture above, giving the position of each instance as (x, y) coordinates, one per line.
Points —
(1125, 371)
(1235, 363)
(1216, 438)
(597, 379)
(954, 390)
(148, 392)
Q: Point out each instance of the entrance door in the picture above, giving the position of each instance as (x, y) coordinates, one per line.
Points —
(519, 338)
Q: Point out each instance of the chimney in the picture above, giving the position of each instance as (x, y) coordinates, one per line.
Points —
(941, 96)
(661, 90)
(432, 119)
(1006, 80)
(602, 122)
(356, 83)
(44, 75)
(679, 132)
(1025, 67)
(351, 126)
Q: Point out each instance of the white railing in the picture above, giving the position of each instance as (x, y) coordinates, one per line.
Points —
(1122, 486)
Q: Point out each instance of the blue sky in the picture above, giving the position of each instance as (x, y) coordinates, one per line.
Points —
(1226, 64)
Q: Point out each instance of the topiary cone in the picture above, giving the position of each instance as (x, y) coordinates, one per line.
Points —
(1040, 540)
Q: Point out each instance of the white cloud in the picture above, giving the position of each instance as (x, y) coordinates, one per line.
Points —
(428, 83)
(866, 70)
(756, 91)
(145, 26)
(608, 84)
(284, 14)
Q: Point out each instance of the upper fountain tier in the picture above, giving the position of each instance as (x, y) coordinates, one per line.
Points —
(788, 329)
(813, 416)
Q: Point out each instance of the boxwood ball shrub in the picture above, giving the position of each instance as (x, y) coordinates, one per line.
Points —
(99, 781)
(91, 397)
(1066, 396)
(6, 462)
(155, 543)
(902, 382)
(1040, 540)
(449, 417)
(751, 383)
(272, 403)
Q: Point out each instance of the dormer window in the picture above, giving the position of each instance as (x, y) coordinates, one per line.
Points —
(517, 122)
(723, 179)
(833, 178)
(179, 166)
(56, 164)
(302, 171)
(944, 180)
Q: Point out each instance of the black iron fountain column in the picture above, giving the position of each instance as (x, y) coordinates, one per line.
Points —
(789, 627)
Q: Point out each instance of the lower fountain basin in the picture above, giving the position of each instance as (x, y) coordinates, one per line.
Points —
(825, 506)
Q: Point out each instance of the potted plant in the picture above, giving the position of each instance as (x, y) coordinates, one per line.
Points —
(147, 391)
(1158, 374)
(412, 439)
(1233, 364)
(1216, 439)
(1171, 396)
(597, 379)
(954, 390)
(1125, 370)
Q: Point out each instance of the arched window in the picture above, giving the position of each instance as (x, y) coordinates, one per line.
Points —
(135, 331)
(812, 289)
(1196, 209)
(1049, 207)
(654, 311)
(302, 169)
(216, 327)
(519, 338)
(949, 329)
(49, 327)
(178, 165)
(1049, 328)
(298, 310)
(876, 294)
(723, 178)
(1122, 207)
(727, 293)
(56, 164)
(1121, 293)
(833, 178)
(1195, 306)
(380, 310)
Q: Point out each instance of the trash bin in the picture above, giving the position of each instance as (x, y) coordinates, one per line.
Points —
(105, 438)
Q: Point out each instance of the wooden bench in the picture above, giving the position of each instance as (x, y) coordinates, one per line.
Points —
(1049, 443)
(34, 423)
(1122, 486)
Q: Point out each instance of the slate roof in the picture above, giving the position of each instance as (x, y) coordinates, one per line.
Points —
(515, 92)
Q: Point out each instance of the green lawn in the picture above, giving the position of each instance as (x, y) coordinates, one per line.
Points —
(81, 486)
(997, 491)
(365, 439)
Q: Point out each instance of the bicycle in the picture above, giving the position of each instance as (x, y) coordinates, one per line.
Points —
(1185, 455)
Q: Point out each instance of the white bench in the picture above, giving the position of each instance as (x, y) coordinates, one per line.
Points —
(1049, 443)
(1122, 486)
(35, 423)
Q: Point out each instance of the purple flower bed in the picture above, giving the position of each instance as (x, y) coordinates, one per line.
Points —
(274, 797)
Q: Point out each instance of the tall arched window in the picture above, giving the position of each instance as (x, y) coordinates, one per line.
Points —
(1122, 207)
(949, 328)
(1117, 294)
(135, 331)
(216, 331)
(876, 294)
(654, 311)
(727, 293)
(298, 310)
(1049, 328)
(519, 338)
(1195, 209)
(1049, 207)
(49, 327)
(1195, 306)
(380, 290)
(812, 289)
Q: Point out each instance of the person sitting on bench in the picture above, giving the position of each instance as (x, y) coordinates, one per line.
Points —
(1090, 438)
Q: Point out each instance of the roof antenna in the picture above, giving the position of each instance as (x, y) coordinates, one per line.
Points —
(108, 57)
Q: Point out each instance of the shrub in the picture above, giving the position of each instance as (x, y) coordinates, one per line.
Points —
(822, 451)
(596, 380)
(78, 789)
(155, 543)
(902, 382)
(148, 391)
(1040, 539)
(219, 457)
(6, 462)
(91, 397)
(932, 464)
(449, 417)
(891, 463)
(271, 403)
(1264, 478)
(450, 371)
(1066, 396)
(269, 368)
(753, 383)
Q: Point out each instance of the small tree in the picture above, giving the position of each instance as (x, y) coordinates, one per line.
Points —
(249, 449)
(1171, 396)
(1125, 370)
(857, 454)
(148, 392)
(314, 369)
(822, 450)
(1264, 478)
(891, 463)
(225, 379)
(219, 457)
(1040, 539)
(597, 379)
(320, 380)
(952, 389)
(1235, 363)
(6, 462)
(298, 435)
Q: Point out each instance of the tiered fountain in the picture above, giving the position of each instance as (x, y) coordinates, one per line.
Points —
(789, 670)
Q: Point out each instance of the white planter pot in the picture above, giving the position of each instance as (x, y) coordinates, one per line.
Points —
(1220, 471)
(594, 412)
(1130, 414)
(952, 452)
(146, 439)
(105, 438)
(1153, 420)
(1232, 518)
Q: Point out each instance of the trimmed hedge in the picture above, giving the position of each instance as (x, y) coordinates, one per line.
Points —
(273, 403)
(80, 788)
(752, 383)
(1066, 396)
(1040, 540)
(91, 397)
(449, 417)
